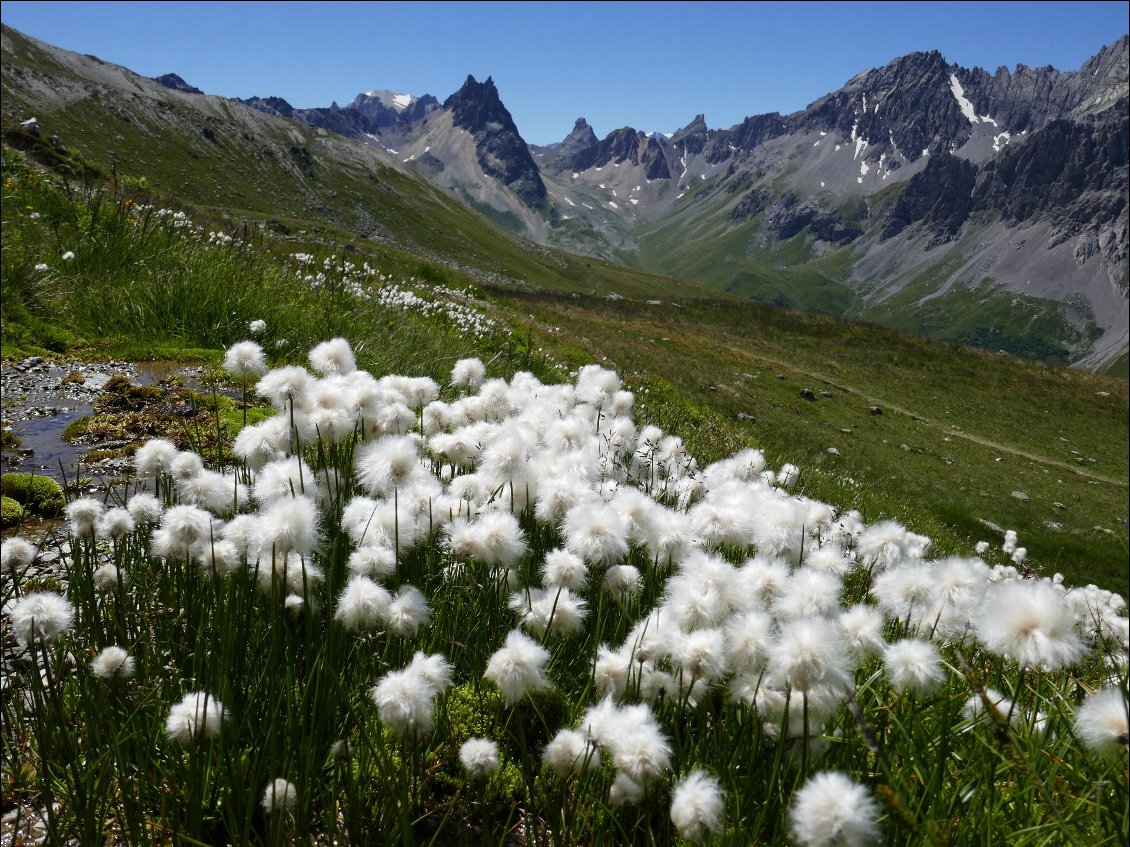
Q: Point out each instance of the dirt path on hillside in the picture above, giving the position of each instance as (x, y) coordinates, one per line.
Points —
(948, 429)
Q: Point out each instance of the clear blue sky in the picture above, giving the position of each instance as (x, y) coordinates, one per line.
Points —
(649, 65)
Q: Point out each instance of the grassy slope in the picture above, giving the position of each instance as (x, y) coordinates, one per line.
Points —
(960, 430)
(709, 357)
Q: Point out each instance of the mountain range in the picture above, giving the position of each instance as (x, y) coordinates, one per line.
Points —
(986, 208)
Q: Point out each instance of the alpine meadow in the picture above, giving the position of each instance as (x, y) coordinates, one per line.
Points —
(436, 488)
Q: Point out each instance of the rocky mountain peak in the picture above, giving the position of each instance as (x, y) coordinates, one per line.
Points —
(502, 153)
(476, 104)
(581, 138)
(176, 83)
(693, 137)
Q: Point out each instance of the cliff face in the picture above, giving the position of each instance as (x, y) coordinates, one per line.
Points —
(502, 153)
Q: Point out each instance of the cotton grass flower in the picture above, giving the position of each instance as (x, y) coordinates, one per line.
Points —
(83, 515)
(913, 665)
(809, 652)
(115, 523)
(863, 625)
(280, 795)
(625, 791)
(290, 525)
(748, 635)
(434, 669)
(113, 663)
(198, 715)
(405, 701)
(611, 669)
(388, 464)
(333, 357)
(40, 615)
(554, 610)
(285, 387)
(244, 359)
(563, 569)
(287, 477)
(638, 746)
(145, 509)
(569, 752)
(186, 465)
(257, 327)
(16, 553)
(518, 667)
(372, 560)
(408, 611)
(988, 698)
(105, 578)
(155, 457)
(701, 654)
(1030, 622)
(624, 581)
(832, 811)
(187, 525)
(468, 372)
(1102, 722)
(697, 804)
(362, 604)
(479, 756)
(598, 534)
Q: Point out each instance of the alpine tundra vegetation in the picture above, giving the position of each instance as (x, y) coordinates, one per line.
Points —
(545, 551)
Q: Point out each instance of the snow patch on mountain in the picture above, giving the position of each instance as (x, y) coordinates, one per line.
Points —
(963, 103)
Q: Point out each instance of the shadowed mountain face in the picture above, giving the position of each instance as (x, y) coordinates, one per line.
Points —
(502, 154)
(917, 187)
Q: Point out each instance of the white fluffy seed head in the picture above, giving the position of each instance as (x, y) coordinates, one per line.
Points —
(468, 372)
(40, 616)
(808, 653)
(596, 533)
(563, 569)
(155, 456)
(914, 665)
(83, 514)
(518, 667)
(372, 560)
(408, 611)
(625, 791)
(284, 387)
(697, 804)
(198, 715)
(145, 508)
(113, 663)
(1031, 622)
(362, 604)
(1102, 722)
(479, 756)
(569, 752)
(245, 358)
(15, 554)
(404, 701)
(280, 795)
(832, 811)
(333, 357)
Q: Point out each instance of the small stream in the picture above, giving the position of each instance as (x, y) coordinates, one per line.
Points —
(41, 398)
